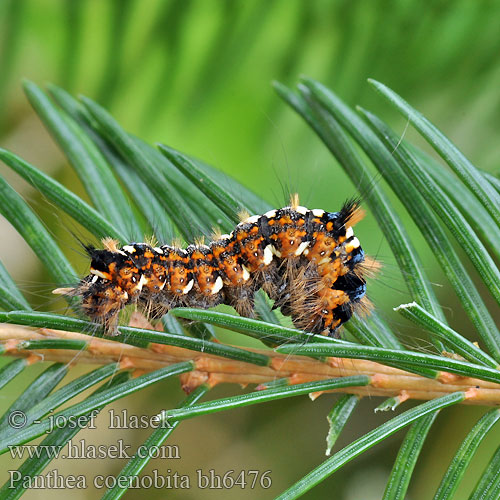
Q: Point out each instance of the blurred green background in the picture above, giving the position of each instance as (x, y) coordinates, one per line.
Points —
(196, 75)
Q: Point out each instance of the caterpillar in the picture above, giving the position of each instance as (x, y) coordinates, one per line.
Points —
(307, 261)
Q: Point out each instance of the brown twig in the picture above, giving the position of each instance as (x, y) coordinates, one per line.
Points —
(385, 381)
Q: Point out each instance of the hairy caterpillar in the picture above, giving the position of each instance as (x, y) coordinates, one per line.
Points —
(308, 261)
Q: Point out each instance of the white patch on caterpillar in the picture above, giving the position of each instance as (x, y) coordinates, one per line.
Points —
(301, 210)
(354, 243)
(302, 247)
(252, 220)
(224, 237)
(349, 233)
(188, 287)
(200, 247)
(98, 273)
(268, 254)
(217, 285)
(246, 273)
(129, 248)
(158, 250)
(143, 281)
(317, 212)
(275, 251)
(270, 214)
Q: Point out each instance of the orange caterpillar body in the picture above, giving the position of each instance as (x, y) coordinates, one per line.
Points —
(308, 261)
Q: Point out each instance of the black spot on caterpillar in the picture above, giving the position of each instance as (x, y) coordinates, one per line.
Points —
(308, 261)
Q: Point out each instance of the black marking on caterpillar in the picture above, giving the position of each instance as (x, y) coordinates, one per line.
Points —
(308, 261)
